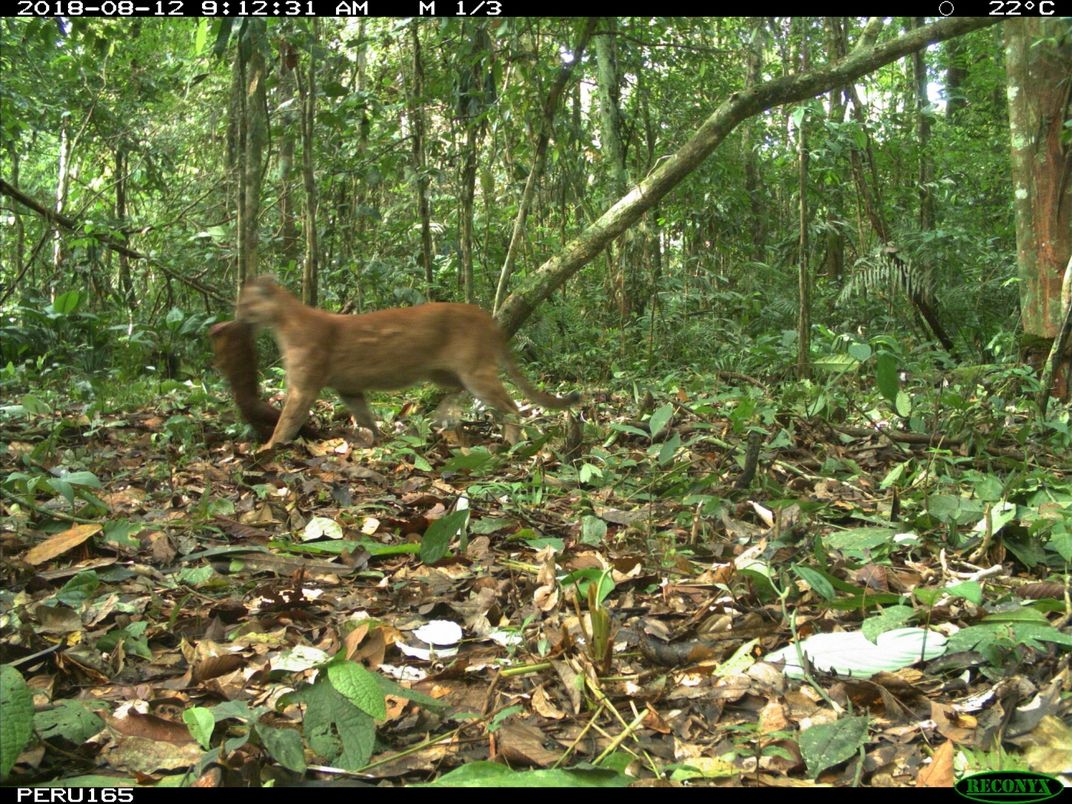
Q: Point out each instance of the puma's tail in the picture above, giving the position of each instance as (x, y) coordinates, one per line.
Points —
(534, 394)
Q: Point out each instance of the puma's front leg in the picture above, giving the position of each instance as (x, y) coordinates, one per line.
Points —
(295, 412)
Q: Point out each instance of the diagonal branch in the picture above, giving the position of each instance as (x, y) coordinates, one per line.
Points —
(674, 169)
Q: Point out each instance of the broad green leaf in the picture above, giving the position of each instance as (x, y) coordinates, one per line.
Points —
(359, 686)
(200, 37)
(63, 488)
(669, 449)
(859, 351)
(835, 363)
(886, 376)
(889, 618)
(436, 540)
(828, 744)
(816, 581)
(588, 471)
(593, 530)
(285, 746)
(660, 418)
(474, 461)
(739, 662)
(860, 542)
(79, 589)
(16, 717)
(894, 475)
(83, 479)
(1000, 515)
(903, 404)
(1061, 542)
(69, 720)
(67, 303)
(586, 577)
(390, 687)
(971, 591)
(200, 721)
(336, 729)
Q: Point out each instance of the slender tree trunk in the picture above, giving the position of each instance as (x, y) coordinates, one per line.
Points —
(416, 115)
(803, 274)
(126, 283)
(310, 269)
(547, 118)
(475, 95)
(363, 127)
(19, 243)
(923, 135)
(63, 174)
(473, 135)
(289, 120)
(754, 74)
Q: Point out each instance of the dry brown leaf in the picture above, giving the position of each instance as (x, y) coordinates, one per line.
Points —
(60, 543)
(940, 772)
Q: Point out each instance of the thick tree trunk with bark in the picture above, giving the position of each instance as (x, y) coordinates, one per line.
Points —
(1038, 61)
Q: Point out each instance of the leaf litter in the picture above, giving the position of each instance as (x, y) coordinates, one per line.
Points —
(188, 611)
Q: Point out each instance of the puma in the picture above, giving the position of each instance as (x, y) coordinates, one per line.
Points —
(456, 346)
(236, 358)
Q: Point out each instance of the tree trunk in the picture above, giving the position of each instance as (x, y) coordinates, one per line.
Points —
(608, 84)
(923, 135)
(733, 111)
(19, 244)
(476, 92)
(252, 127)
(753, 76)
(63, 174)
(289, 120)
(364, 126)
(310, 269)
(1038, 61)
(125, 281)
(416, 116)
(803, 274)
(539, 159)
(955, 76)
(834, 260)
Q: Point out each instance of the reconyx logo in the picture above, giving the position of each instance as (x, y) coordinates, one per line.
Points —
(999, 787)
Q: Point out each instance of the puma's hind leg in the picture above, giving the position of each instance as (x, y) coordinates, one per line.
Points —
(486, 386)
(362, 415)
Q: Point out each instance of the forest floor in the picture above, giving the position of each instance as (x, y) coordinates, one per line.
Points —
(593, 607)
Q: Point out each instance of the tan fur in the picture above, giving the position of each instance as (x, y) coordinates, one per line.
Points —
(236, 358)
(453, 345)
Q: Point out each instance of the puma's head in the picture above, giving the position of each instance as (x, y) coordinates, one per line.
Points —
(260, 301)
